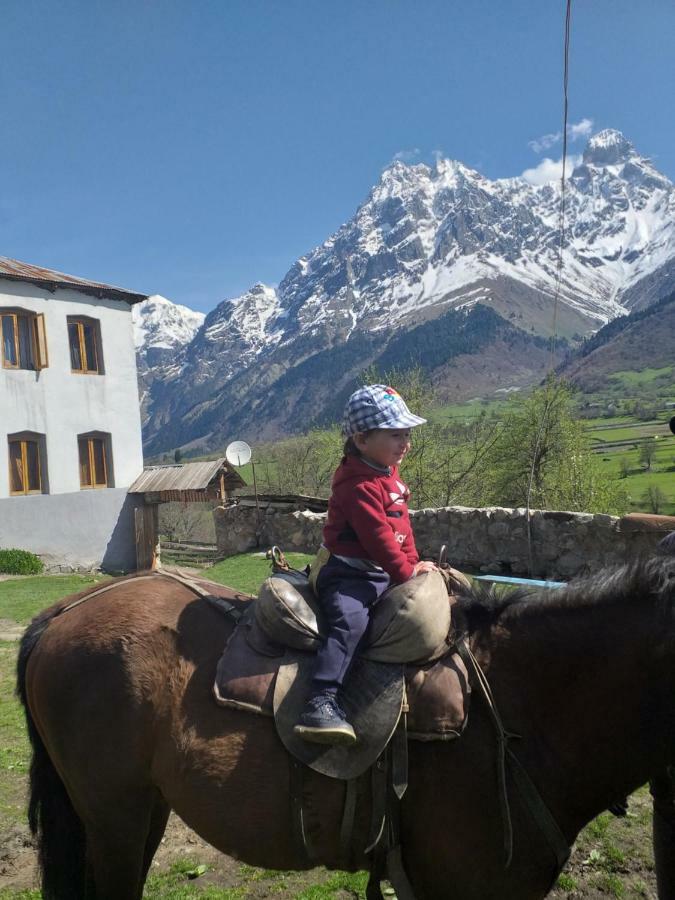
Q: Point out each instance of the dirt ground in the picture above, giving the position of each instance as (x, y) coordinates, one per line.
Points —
(612, 858)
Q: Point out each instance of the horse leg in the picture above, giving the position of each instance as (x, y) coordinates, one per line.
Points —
(158, 819)
(121, 841)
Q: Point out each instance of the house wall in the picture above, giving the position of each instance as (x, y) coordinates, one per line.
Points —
(61, 404)
(80, 527)
(70, 532)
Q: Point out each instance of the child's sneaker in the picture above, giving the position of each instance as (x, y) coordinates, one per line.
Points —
(324, 722)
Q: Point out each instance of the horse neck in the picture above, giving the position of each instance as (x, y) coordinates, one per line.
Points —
(589, 695)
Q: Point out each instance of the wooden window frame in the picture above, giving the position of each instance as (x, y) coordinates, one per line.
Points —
(105, 441)
(24, 466)
(80, 322)
(38, 338)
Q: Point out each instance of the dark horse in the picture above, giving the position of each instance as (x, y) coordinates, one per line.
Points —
(118, 699)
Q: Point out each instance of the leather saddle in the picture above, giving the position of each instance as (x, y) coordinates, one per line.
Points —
(409, 673)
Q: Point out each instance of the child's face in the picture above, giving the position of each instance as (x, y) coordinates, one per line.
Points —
(384, 446)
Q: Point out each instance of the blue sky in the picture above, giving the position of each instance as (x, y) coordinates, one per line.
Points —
(193, 147)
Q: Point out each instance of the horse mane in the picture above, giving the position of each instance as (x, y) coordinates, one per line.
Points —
(647, 579)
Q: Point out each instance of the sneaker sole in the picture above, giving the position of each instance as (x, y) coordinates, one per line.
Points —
(325, 735)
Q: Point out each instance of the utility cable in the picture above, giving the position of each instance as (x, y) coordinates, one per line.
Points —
(554, 327)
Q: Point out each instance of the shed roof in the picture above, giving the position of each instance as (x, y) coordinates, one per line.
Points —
(50, 279)
(185, 477)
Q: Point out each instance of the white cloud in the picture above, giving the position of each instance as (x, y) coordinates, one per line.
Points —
(406, 155)
(549, 170)
(580, 129)
(545, 141)
(574, 131)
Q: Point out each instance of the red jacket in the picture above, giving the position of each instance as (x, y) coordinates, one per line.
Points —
(368, 518)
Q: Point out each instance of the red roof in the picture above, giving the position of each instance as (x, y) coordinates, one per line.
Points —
(50, 279)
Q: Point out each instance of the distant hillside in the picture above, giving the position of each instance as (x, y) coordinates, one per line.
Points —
(642, 340)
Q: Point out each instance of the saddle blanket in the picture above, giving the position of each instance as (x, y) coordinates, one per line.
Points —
(257, 675)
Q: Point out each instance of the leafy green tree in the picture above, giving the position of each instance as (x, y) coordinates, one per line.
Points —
(303, 464)
(647, 453)
(654, 499)
(413, 384)
(542, 454)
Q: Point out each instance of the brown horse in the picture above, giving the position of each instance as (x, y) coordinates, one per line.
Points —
(118, 699)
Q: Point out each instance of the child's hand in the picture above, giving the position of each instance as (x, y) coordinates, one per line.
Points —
(424, 566)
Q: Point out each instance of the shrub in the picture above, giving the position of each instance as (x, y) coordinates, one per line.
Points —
(20, 562)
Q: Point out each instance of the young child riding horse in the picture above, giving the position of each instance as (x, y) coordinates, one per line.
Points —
(368, 545)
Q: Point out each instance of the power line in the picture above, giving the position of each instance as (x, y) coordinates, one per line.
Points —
(563, 182)
(559, 268)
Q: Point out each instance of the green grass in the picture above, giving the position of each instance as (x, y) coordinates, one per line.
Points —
(644, 379)
(14, 753)
(566, 882)
(353, 883)
(247, 571)
(10, 894)
(464, 412)
(21, 599)
(638, 432)
(182, 882)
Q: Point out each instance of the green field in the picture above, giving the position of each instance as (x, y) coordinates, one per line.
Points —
(615, 438)
(454, 413)
(640, 382)
(20, 600)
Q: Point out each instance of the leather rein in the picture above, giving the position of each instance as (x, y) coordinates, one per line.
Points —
(507, 760)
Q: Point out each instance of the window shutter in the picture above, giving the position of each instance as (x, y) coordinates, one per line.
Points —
(41, 355)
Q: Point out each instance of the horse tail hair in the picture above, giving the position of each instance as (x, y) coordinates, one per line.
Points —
(57, 828)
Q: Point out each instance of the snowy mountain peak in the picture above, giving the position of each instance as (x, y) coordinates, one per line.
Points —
(161, 324)
(608, 148)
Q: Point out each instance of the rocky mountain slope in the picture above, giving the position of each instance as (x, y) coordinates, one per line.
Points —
(645, 339)
(162, 332)
(439, 266)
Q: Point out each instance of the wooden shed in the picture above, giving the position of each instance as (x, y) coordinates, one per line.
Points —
(198, 482)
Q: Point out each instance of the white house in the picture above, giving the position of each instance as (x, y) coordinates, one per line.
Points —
(70, 427)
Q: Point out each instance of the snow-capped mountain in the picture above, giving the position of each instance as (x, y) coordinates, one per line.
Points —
(162, 331)
(160, 325)
(429, 243)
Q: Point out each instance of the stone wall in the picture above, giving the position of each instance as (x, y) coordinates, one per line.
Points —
(491, 540)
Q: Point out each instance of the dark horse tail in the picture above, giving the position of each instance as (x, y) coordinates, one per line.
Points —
(56, 826)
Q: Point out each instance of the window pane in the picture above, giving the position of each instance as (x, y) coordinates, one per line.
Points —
(33, 465)
(15, 468)
(8, 345)
(25, 342)
(85, 471)
(90, 347)
(98, 447)
(74, 338)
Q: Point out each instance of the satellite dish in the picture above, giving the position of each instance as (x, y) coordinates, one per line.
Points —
(238, 453)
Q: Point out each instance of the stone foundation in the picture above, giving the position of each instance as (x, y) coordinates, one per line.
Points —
(491, 540)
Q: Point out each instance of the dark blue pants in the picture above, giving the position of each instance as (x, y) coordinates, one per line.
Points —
(345, 597)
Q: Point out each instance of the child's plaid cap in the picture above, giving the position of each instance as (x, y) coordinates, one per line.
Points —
(377, 406)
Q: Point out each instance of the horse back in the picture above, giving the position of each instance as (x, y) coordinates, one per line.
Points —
(130, 653)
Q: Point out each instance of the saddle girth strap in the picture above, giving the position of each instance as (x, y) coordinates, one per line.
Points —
(389, 784)
(296, 786)
(347, 826)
